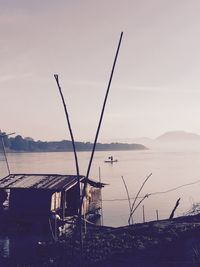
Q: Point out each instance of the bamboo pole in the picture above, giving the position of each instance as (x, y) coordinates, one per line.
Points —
(75, 157)
(100, 121)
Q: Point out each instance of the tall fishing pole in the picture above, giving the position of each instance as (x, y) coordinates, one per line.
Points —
(69, 125)
(99, 125)
(74, 150)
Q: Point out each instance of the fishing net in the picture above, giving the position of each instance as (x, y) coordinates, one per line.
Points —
(3, 165)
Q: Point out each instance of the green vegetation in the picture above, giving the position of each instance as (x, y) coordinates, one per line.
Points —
(27, 144)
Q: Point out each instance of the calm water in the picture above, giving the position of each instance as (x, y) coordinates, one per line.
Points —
(169, 170)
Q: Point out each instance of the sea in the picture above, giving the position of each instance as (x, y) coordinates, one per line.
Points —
(173, 174)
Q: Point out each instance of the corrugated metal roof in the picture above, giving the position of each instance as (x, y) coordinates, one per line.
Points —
(39, 181)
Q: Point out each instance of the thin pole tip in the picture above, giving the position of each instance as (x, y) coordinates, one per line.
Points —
(121, 35)
(56, 76)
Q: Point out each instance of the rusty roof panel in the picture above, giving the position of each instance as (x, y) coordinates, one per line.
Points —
(39, 181)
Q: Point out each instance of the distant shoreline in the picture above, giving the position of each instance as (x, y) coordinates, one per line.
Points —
(64, 151)
(19, 144)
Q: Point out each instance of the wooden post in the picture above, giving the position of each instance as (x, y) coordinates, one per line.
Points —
(56, 236)
(174, 209)
(143, 213)
(63, 197)
(157, 217)
(84, 217)
(101, 198)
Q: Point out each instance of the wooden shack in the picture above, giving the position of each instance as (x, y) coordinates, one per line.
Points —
(35, 201)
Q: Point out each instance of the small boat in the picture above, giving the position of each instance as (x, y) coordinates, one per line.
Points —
(110, 160)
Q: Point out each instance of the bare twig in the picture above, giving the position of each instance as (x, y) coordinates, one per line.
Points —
(129, 201)
(137, 196)
(139, 204)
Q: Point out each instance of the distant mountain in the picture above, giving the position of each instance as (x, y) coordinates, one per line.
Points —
(178, 136)
(169, 141)
(176, 141)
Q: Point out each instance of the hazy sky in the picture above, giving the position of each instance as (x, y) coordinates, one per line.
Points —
(156, 86)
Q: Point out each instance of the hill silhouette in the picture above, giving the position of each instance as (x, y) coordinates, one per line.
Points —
(28, 144)
(178, 136)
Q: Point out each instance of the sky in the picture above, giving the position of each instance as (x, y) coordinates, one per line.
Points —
(156, 84)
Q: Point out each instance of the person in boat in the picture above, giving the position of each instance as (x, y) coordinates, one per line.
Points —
(111, 158)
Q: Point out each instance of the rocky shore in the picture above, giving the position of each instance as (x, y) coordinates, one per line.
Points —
(170, 243)
(159, 243)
